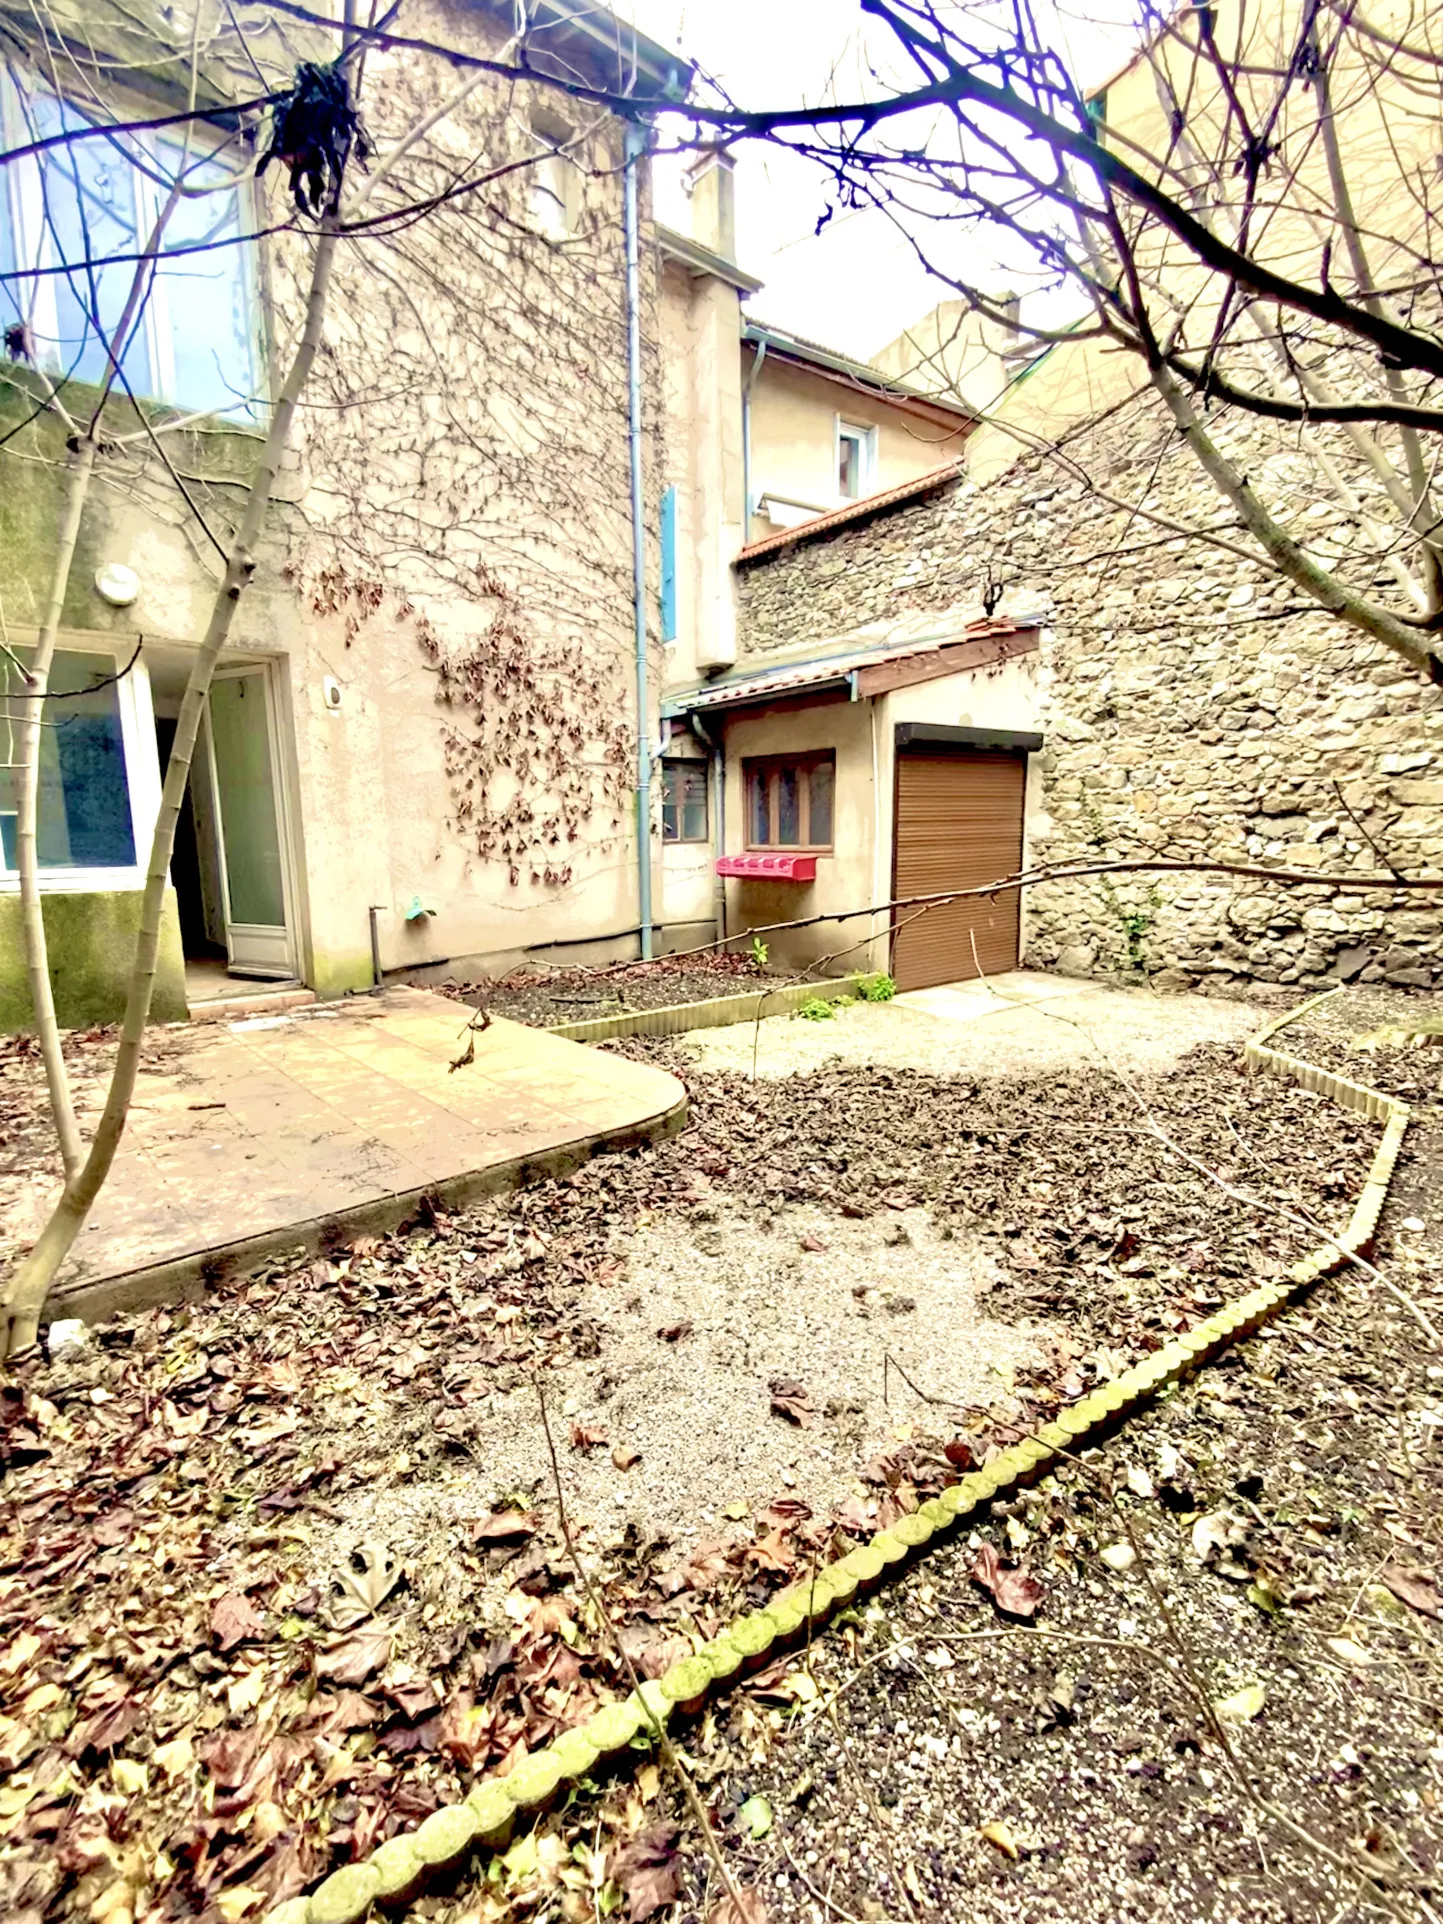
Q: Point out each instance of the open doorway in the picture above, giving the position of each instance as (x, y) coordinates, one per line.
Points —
(230, 867)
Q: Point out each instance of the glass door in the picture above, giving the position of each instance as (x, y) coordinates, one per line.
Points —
(242, 736)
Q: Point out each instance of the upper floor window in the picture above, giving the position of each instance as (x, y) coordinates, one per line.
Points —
(856, 457)
(555, 192)
(69, 216)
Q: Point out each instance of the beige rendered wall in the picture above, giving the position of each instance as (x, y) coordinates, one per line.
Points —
(950, 351)
(700, 328)
(466, 517)
(794, 416)
(844, 878)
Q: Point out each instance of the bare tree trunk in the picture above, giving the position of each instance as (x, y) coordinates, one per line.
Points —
(1418, 507)
(79, 466)
(29, 1285)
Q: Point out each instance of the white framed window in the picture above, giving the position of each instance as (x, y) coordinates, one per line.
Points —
(195, 341)
(554, 198)
(99, 767)
(856, 460)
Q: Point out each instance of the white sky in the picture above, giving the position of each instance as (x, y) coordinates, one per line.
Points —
(858, 284)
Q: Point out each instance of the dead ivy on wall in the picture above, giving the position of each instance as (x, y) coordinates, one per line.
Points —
(467, 453)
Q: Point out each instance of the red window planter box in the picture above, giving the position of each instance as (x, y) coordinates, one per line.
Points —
(769, 868)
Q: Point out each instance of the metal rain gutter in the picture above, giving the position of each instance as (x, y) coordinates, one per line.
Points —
(752, 372)
(636, 144)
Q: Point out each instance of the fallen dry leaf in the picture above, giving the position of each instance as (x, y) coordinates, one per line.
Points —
(999, 1836)
(1243, 1705)
(235, 1619)
(174, 1758)
(753, 1910)
(1414, 1587)
(624, 1457)
(359, 1589)
(646, 1870)
(586, 1439)
(1015, 1591)
(1217, 1533)
(350, 1660)
(674, 1332)
(790, 1399)
(504, 1526)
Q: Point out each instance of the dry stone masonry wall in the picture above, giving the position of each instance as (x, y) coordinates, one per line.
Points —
(1194, 705)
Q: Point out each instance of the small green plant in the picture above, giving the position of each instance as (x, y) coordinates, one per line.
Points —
(876, 988)
(760, 952)
(817, 1009)
(1135, 924)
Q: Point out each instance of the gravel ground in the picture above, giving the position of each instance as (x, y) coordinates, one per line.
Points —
(1266, 1540)
(1134, 1029)
(714, 1309)
(181, 1501)
(965, 1766)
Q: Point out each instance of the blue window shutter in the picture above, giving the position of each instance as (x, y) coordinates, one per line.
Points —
(668, 565)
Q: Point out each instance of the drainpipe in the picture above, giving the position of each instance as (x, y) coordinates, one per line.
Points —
(718, 820)
(636, 143)
(758, 356)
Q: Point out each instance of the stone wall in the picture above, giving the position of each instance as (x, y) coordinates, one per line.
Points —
(1195, 707)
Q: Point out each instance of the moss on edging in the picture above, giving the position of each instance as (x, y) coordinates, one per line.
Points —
(398, 1870)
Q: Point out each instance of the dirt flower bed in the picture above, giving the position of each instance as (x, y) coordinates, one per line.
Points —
(547, 997)
(225, 1665)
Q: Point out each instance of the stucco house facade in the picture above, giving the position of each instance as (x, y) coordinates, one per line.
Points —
(880, 655)
(421, 742)
(420, 754)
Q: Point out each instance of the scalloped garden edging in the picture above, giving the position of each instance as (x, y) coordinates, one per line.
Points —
(400, 1870)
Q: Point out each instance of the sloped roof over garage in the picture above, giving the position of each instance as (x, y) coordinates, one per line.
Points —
(862, 668)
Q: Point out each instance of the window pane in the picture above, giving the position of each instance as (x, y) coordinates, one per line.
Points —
(759, 833)
(205, 298)
(849, 462)
(88, 211)
(693, 823)
(820, 800)
(84, 814)
(789, 808)
(668, 802)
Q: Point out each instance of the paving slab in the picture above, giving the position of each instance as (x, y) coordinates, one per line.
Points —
(253, 1136)
(1022, 1024)
(969, 1001)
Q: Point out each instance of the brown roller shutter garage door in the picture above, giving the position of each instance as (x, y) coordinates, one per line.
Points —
(959, 823)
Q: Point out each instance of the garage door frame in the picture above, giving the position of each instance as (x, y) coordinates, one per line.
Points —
(935, 741)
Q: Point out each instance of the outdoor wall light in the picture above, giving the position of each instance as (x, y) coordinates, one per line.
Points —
(331, 695)
(117, 584)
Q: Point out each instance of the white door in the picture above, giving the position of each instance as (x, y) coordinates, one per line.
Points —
(259, 927)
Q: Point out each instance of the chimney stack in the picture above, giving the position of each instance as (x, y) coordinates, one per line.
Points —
(712, 188)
